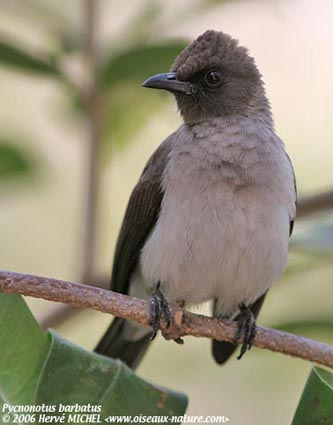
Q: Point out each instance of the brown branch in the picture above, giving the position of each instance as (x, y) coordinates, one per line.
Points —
(183, 322)
(62, 313)
(319, 202)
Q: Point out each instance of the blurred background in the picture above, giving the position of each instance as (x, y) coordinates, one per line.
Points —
(73, 142)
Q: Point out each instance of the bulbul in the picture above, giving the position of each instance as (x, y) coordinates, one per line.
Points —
(211, 215)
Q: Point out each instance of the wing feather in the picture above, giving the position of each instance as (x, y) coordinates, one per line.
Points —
(140, 217)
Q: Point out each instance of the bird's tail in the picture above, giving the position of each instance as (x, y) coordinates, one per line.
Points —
(114, 345)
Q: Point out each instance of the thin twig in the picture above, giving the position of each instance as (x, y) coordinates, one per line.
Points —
(91, 170)
(183, 322)
(309, 205)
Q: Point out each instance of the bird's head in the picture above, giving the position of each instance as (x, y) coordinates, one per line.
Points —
(214, 77)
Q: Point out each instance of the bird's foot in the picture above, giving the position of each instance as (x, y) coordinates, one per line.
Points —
(247, 328)
(179, 341)
(158, 306)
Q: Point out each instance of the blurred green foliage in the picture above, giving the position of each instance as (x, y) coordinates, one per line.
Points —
(23, 61)
(125, 107)
(137, 64)
(138, 55)
(308, 326)
(14, 162)
(126, 112)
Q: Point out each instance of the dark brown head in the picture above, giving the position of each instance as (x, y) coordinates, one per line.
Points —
(213, 77)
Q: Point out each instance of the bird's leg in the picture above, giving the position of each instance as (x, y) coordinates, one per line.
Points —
(246, 327)
(170, 334)
(158, 306)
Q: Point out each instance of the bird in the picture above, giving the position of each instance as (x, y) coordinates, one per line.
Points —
(212, 212)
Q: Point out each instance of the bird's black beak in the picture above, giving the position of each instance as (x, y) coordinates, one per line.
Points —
(168, 81)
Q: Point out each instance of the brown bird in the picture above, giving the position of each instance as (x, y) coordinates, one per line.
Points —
(211, 214)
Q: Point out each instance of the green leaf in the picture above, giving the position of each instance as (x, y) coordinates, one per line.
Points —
(73, 375)
(35, 369)
(316, 404)
(127, 104)
(123, 118)
(139, 63)
(14, 161)
(23, 348)
(14, 56)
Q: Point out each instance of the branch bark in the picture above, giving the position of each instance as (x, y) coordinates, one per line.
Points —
(183, 322)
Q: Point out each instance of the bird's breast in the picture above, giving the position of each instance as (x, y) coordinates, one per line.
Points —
(216, 237)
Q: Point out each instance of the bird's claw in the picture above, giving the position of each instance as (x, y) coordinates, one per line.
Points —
(158, 306)
(246, 327)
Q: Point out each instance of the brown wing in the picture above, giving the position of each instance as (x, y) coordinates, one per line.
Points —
(141, 215)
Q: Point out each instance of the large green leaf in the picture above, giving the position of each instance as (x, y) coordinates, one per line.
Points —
(140, 62)
(37, 368)
(23, 348)
(14, 161)
(73, 375)
(316, 404)
(21, 60)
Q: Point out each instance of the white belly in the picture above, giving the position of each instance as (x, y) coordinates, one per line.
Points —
(216, 243)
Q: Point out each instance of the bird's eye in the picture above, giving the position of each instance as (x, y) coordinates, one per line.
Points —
(213, 78)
